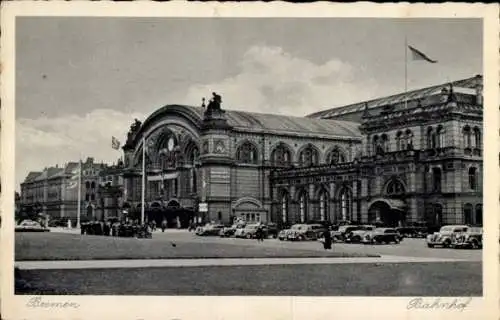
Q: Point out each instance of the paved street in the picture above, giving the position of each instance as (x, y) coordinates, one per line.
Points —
(228, 266)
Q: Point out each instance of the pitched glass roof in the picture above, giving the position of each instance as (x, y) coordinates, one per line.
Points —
(469, 83)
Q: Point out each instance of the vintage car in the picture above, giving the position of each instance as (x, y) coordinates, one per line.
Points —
(444, 237)
(341, 233)
(209, 230)
(355, 236)
(30, 226)
(381, 235)
(471, 238)
(304, 232)
(230, 231)
(249, 231)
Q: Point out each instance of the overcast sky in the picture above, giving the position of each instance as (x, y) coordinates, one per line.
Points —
(80, 81)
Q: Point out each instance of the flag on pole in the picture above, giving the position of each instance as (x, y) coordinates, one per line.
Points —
(115, 143)
(419, 55)
(74, 179)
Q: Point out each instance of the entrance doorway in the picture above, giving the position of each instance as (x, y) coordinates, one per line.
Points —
(389, 213)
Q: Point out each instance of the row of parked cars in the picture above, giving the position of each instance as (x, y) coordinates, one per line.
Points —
(345, 233)
(449, 236)
(238, 230)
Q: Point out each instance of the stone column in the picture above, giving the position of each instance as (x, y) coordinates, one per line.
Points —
(355, 202)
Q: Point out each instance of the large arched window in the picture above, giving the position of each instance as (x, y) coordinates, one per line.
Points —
(281, 155)
(477, 138)
(400, 141)
(247, 153)
(409, 139)
(436, 179)
(468, 213)
(431, 138)
(440, 137)
(309, 156)
(345, 204)
(323, 205)
(479, 214)
(303, 206)
(284, 206)
(335, 156)
(467, 137)
(384, 139)
(376, 145)
(192, 154)
(395, 187)
(472, 178)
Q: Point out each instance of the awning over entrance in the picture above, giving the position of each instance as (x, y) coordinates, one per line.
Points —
(394, 204)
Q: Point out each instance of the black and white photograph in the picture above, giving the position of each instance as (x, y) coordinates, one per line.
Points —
(232, 156)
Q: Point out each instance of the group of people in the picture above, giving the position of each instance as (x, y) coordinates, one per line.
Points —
(117, 229)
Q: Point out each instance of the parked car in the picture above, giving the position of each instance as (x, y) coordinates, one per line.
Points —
(341, 233)
(444, 237)
(209, 230)
(30, 226)
(230, 231)
(271, 230)
(248, 232)
(304, 232)
(355, 236)
(381, 235)
(471, 238)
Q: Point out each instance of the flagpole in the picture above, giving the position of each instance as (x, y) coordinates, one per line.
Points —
(406, 71)
(79, 203)
(143, 191)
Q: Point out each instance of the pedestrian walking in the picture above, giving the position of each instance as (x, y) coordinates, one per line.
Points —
(327, 240)
(163, 225)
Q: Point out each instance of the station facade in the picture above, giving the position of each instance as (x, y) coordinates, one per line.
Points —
(411, 157)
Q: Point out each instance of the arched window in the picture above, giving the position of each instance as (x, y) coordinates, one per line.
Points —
(440, 137)
(395, 187)
(385, 143)
(192, 154)
(309, 156)
(431, 138)
(477, 138)
(467, 137)
(473, 178)
(345, 204)
(194, 181)
(336, 156)
(376, 146)
(247, 153)
(436, 179)
(281, 156)
(303, 206)
(323, 205)
(468, 213)
(87, 185)
(92, 185)
(409, 140)
(479, 214)
(400, 141)
(284, 207)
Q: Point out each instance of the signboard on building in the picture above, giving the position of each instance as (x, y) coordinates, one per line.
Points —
(203, 207)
